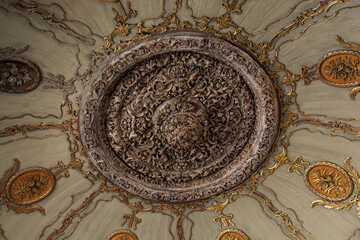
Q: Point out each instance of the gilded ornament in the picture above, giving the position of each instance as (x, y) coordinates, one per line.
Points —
(164, 128)
(328, 181)
(4, 198)
(232, 234)
(340, 68)
(122, 235)
(353, 200)
(18, 75)
(30, 185)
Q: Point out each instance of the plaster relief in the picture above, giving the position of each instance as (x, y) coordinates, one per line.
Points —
(179, 117)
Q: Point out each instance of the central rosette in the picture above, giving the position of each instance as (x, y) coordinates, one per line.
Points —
(180, 123)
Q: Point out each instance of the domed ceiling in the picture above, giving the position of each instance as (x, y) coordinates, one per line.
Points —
(179, 119)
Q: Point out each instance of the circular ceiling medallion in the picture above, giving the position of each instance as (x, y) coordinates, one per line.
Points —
(18, 75)
(179, 117)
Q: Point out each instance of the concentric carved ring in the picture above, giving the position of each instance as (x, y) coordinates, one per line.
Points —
(179, 117)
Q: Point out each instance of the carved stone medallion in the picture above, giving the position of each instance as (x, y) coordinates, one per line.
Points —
(340, 68)
(328, 181)
(30, 185)
(179, 117)
(232, 234)
(18, 75)
(122, 235)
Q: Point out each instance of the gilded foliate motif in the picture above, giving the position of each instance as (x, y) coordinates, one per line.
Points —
(328, 181)
(340, 184)
(19, 189)
(340, 68)
(30, 185)
(344, 68)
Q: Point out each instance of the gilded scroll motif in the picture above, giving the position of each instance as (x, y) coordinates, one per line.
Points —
(18, 74)
(340, 68)
(232, 234)
(169, 128)
(122, 235)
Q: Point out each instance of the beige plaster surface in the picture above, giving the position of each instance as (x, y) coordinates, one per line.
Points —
(60, 58)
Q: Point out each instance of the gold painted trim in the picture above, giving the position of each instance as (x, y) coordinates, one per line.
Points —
(41, 169)
(333, 199)
(334, 53)
(122, 231)
(241, 233)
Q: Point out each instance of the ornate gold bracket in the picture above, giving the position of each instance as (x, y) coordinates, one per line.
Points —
(280, 159)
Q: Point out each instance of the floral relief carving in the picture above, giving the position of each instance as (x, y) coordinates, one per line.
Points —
(344, 68)
(30, 186)
(19, 189)
(328, 181)
(173, 112)
(18, 74)
(15, 76)
(340, 68)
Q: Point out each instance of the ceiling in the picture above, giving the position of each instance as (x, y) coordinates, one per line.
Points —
(68, 40)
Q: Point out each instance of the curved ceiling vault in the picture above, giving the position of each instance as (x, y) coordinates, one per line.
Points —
(179, 119)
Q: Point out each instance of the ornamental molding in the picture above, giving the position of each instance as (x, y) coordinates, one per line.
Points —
(179, 117)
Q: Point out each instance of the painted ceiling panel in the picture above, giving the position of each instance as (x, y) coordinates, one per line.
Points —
(288, 197)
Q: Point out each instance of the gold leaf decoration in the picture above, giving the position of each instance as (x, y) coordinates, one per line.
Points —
(339, 205)
(8, 202)
(9, 173)
(329, 205)
(353, 92)
(350, 45)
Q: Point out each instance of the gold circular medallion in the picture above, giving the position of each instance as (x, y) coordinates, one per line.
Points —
(328, 181)
(122, 235)
(30, 185)
(232, 234)
(340, 68)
